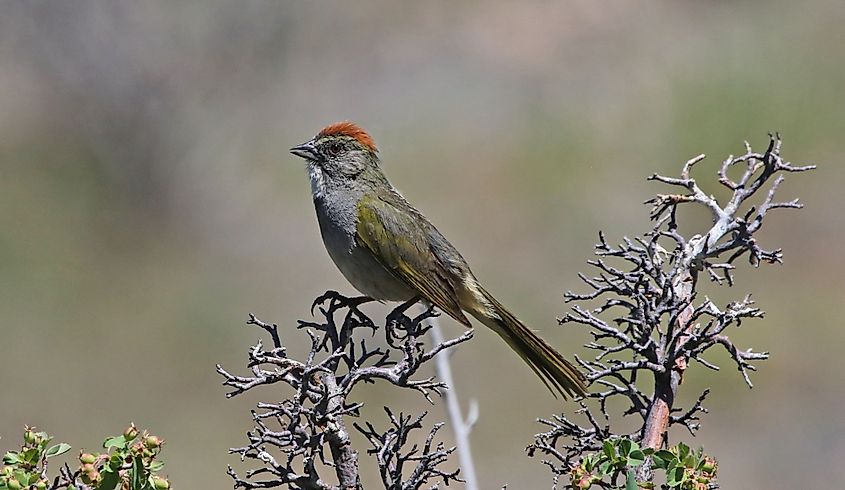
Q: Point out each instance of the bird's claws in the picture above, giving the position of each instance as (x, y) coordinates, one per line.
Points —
(397, 316)
(330, 294)
(340, 300)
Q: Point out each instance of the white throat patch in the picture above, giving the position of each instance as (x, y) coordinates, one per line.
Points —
(318, 180)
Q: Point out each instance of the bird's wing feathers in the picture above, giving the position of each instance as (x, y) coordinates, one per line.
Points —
(401, 242)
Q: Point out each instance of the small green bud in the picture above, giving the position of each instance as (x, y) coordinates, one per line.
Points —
(41, 485)
(87, 458)
(87, 468)
(131, 432)
(30, 437)
(153, 442)
(160, 483)
(14, 484)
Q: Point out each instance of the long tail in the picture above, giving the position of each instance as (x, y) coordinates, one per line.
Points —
(558, 374)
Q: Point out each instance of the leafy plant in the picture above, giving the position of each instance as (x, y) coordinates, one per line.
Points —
(684, 469)
(129, 462)
(27, 468)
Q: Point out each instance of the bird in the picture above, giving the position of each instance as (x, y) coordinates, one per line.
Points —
(389, 251)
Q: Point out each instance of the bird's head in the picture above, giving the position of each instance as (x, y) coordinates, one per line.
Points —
(340, 153)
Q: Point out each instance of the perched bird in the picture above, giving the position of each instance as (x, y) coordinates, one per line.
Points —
(389, 251)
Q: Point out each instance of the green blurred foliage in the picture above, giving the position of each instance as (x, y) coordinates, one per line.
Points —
(129, 463)
(148, 202)
(681, 467)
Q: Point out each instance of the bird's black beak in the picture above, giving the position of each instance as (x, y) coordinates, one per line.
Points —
(306, 150)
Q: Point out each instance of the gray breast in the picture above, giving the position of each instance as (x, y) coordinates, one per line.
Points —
(337, 215)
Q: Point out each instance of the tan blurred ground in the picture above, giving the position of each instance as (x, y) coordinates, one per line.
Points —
(148, 202)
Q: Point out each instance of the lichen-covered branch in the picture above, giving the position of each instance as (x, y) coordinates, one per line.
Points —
(290, 438)
(648, 318)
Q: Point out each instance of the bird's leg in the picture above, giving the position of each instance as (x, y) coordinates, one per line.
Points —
(356, 301)
(397, 316)
(397, 320)
(337, 300)
(339, 336)
(354, 318)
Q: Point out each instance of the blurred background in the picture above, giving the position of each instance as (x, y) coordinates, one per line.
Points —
(148, 201)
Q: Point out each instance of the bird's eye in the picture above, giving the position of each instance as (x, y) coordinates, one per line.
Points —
(335, 149)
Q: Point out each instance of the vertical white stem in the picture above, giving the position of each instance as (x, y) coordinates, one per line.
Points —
(461, 427)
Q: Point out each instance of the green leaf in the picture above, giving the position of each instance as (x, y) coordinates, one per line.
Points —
(683, 451)
(56, 450)
(22, 477)
(115, 461)
(664, 454)
(11, 457)
(117, 441)
(671, 466)
(684, 477)
(675, 476)
(109, 481)
(31, 456)
(589, 462)
(663, 458)
(43, 444)
(630, 481)
(609, 450)
(625, 447)
(137, 475)
(636, 457)
(156, 466)
(604, 467)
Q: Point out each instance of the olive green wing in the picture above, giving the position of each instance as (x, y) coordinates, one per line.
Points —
(400, 239)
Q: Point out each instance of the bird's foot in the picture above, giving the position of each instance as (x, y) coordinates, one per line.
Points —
(337, 300)
(399, 325)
